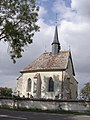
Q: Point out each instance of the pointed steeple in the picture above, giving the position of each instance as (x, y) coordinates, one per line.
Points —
(55, 45)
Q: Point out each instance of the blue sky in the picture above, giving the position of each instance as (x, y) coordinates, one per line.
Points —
(49, 6)
(73, 30)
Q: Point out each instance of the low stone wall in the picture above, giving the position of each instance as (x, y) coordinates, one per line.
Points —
(73, 105)
(7, 103)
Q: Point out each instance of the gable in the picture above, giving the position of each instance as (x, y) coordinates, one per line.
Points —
(70, 65)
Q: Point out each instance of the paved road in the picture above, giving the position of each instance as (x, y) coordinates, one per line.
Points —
(20, 115)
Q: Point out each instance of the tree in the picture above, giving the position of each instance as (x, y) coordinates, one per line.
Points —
(85, 91)
(5, 91)
(18, 24)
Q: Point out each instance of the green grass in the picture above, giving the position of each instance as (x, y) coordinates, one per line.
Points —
(49, 111)
(56, 111)
(62, 112)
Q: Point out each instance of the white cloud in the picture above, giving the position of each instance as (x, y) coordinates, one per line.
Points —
(79, 10)
(82, 7)
(44, 0)
(42, 11)
(60, 7)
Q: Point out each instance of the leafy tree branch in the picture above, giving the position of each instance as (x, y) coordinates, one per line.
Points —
(85, 91)
(18, 20)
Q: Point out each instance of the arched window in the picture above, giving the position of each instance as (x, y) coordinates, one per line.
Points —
(51, 85)
(29, 85)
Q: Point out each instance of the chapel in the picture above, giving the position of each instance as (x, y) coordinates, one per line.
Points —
(50, 76)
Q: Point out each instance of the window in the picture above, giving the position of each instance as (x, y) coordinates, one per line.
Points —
(29, 85)
(51, 85)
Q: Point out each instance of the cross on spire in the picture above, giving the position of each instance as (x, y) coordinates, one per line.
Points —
(56, 19)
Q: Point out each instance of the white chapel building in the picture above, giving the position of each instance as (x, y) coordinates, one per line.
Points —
(50, 76)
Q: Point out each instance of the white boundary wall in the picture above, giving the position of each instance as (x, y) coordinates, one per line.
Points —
(73, 105)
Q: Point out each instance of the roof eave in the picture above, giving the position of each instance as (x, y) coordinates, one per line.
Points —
(72, 64)
(40, 70)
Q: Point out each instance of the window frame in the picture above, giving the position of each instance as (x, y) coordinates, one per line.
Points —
(29, 85)
(50, 85)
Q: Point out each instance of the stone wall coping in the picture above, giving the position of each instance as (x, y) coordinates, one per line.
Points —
(42, 100)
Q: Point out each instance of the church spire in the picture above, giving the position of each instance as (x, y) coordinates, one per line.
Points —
(55, 45)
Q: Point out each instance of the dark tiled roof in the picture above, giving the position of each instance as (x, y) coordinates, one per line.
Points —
(49, 62)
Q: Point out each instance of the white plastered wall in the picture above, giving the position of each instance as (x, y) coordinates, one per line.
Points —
(56, 76)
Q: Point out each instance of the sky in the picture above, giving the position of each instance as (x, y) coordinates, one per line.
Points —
(73, 19)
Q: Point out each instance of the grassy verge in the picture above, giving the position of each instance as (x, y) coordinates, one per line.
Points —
(57, 111)
(49, 111)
